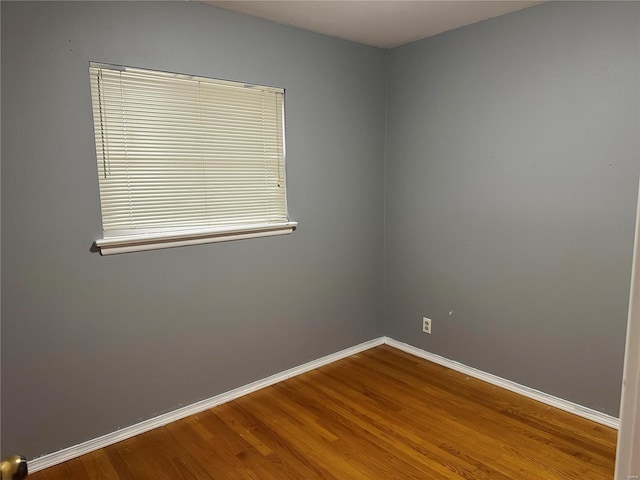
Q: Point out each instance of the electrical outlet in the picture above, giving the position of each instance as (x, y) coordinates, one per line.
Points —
(426, 325)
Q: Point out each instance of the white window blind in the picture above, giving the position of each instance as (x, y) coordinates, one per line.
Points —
(178, 153)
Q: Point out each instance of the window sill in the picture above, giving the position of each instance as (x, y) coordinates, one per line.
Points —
(154, 241)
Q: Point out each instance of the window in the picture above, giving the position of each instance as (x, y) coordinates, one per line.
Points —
(184, 160)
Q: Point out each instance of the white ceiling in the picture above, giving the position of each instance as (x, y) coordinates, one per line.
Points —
(381, 23)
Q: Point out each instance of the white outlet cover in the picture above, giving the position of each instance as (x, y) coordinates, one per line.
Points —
(426, 325)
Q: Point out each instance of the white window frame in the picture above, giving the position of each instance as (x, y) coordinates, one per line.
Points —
(150, 236)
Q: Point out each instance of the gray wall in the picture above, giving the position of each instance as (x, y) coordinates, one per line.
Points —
(91, 344)
(512, 172)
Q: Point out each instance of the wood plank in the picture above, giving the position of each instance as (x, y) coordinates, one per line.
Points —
(379, 414)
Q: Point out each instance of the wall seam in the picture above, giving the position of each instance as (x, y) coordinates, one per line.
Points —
(384, 194)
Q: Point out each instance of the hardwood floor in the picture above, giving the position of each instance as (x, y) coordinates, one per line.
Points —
(381, 414)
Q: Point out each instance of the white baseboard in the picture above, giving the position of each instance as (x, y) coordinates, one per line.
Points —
(545, 398)
(69, 453)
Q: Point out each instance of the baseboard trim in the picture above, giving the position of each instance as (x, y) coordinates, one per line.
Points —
(69, 453)
(545, 398)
